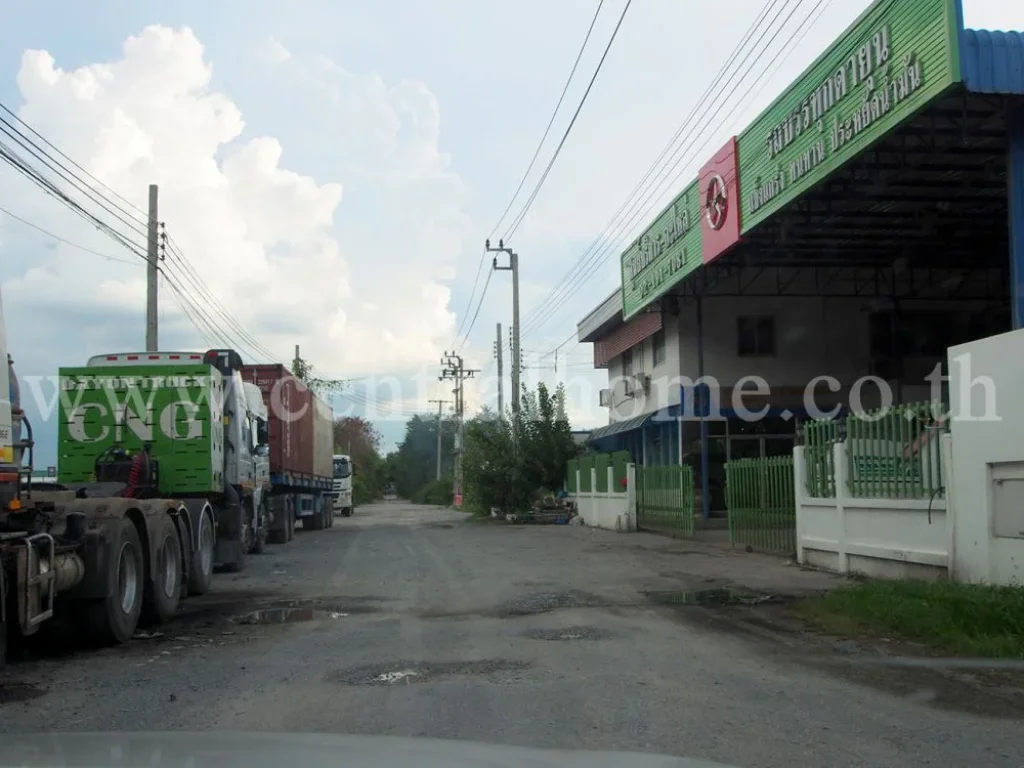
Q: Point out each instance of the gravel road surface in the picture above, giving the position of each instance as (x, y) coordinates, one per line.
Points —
(415, 621)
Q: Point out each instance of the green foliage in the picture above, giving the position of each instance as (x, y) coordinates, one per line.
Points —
(966, 619)
(438, 492)
(414, 466)
(357, 437)
(501, 473)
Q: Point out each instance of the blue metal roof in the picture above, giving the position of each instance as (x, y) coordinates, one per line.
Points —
(992, 62)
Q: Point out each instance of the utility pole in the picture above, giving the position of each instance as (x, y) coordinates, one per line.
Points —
(152, 257)
(513, 266)
(440, 403)
(501, 374)
(454, 369)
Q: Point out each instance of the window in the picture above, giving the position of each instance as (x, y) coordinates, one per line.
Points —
(658, 348)
(342, 468)
(627, 363)
(755, 336)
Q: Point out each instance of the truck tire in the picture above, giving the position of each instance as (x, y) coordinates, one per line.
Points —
(201, 573)
(163, 587)
(114, 618)
(290, 523)
(329, 517)
(347, 511)
(314, 522)
(259, 546)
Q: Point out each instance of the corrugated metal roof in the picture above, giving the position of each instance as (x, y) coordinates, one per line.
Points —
(992, 62)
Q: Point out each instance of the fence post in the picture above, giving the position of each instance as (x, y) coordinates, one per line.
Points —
(842, 496)
(946, 469)
(631, 497)
(799, 494)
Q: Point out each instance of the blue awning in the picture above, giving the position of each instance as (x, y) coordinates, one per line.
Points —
(992, 62)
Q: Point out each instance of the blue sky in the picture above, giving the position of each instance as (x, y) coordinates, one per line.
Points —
(331, 169)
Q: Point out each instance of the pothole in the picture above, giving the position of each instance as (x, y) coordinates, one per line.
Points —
(15, 693)
(287, 616)
(546, 602)
(410, 673)
(299, 611)
(707, 597)
(568, 634)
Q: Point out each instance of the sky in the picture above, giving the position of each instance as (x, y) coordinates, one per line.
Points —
(328, 173)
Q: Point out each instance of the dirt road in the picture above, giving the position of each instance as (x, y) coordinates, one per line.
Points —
(415, 621)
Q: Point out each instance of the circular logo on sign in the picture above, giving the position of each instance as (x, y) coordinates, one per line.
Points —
(716, 202)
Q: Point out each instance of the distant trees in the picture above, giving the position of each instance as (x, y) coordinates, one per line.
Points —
(415, 462)
(360, 440)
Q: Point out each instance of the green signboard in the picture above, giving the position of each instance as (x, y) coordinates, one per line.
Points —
(668, 250)
(898, 56)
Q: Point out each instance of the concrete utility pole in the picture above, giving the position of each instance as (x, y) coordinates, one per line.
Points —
(454, 369)
(152, 258)
(501, 374)
(513, 266)
(440, 403)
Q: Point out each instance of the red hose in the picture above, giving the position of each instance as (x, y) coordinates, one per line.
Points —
(134, 475)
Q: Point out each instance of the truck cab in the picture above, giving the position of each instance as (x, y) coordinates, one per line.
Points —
(341, 487)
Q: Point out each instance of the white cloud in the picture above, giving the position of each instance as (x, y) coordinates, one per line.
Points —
(349, 264)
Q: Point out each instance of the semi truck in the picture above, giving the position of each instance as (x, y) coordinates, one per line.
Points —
(300, 451)
(161, 472)
(341, 488)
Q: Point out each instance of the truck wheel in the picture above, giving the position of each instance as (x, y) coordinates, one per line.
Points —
(113, 619)
(314, 522)
(163, 588)
(290, 523)
(347, 512)
(329, 515)
(262, 519)
(201, 573)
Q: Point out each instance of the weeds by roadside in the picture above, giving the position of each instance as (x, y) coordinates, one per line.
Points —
(964, 619)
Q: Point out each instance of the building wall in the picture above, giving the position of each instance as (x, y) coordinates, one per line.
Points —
(814, 336)
(986, 485)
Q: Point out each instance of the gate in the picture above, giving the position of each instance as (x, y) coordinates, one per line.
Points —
(761, 499)
(664, 500)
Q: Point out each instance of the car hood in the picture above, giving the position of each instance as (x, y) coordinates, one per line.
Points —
(219, 749)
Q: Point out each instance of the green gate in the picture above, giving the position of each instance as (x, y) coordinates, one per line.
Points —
(664, 500)
(761, 499)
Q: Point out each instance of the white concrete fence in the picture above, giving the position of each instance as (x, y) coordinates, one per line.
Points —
(614, 510)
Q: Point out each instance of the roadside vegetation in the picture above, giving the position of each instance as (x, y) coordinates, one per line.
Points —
(961, 619)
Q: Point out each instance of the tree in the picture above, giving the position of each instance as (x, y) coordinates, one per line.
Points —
(415, 463)
(503, 472)
(360, 440)
(303, 370)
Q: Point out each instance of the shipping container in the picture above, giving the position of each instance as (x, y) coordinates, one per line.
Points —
(301, 444)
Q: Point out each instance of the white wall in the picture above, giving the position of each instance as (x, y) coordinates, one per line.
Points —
(662, 393)
(987, 482)
(881, 538)
(614, 511)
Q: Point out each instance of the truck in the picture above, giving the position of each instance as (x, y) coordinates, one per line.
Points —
(162, 472)
(341, 489)
(300, 451)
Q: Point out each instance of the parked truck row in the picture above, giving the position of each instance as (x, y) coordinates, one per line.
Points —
(170, 465)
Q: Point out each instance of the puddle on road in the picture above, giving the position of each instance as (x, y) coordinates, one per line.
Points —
(298, 611)
(568, 634)
(288, 616)
(708, 597)
(546, 602)
(410, 673)
(16, 693)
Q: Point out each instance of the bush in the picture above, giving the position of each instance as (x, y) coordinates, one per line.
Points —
(437, 492)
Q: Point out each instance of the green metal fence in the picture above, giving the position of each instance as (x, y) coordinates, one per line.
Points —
(664, 500)
(895, 453)
(600, 462)
(761, 499)
(891, 453)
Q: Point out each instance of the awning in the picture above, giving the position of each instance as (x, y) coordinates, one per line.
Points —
(628, 425)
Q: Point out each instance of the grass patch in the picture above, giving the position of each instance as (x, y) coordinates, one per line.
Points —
(963, 619)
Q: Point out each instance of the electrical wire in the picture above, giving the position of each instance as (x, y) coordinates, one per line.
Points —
(533, 195)
(533, 160)
(60, 239)
(582, 269)
(483, 295)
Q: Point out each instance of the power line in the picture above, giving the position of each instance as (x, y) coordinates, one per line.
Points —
(568, 130)
(60, 239)
(533, 160)
(479, 304)
(584, 268)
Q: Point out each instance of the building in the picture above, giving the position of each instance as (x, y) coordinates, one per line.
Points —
(827, 256)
